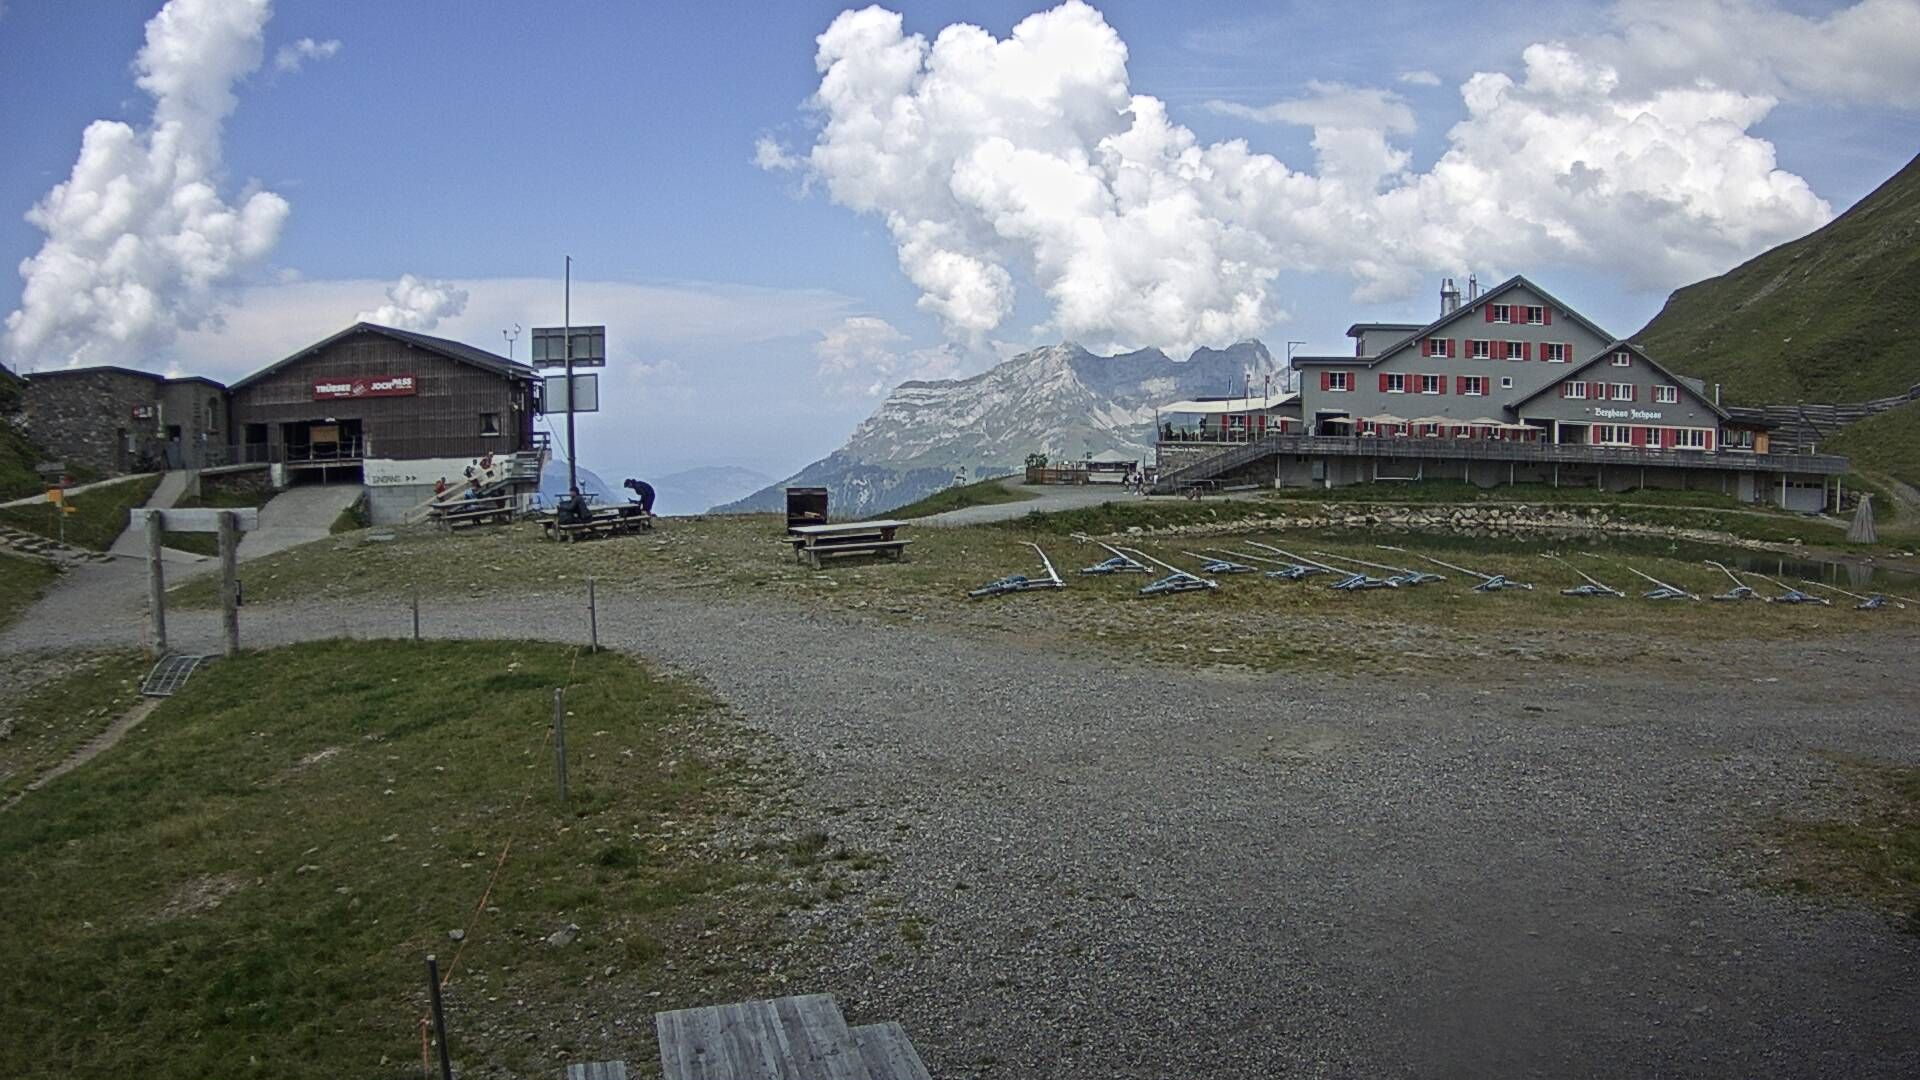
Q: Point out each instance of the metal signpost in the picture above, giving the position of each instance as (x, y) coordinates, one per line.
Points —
(569, 346)
(228, 524)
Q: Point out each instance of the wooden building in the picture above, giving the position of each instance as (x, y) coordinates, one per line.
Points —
(373, 394)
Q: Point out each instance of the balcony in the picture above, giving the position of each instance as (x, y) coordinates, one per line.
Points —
(1533, 451)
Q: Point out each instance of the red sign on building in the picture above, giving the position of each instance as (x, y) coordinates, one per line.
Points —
(359, 387)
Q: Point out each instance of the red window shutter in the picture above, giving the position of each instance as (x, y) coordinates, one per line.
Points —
(1597, 391)
(1489, 309)
(1459, 384)
(1383, 382)
(1442, 380)
(1526, 350)
(1326, 380)
(1453, 348)
(1710, 434)
(1566, 389)
(1633, 394)
(1546, 315)
(1639, 436)
(1426, 346)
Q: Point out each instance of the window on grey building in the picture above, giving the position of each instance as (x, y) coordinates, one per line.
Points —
(489, 423)
(1506, 382)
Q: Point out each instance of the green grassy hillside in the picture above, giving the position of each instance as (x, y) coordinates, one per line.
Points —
(1888, 443)
(1831, 317)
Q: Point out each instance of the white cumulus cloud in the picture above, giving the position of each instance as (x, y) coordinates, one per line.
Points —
(417, 304)
(1030, 159)
(866, 356)
(138, 237)
(293, 57)
(1419, 78)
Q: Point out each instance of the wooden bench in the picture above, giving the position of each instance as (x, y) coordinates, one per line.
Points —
(793, 1038)
(606, 521)
(460, 513)
(816, 543)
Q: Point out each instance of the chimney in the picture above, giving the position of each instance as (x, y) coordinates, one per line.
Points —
(1716, 393)
(1473, 287)
(1449, 297)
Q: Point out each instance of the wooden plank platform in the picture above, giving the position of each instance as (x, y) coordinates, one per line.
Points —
(792, 1038)
(888, 1053)
(598, 1070)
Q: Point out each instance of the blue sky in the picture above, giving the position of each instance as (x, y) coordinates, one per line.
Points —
(472, 145)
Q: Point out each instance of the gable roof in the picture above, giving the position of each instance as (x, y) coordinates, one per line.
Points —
(452, 350)
(152, 376)
(1614, 347)
(1418, 332)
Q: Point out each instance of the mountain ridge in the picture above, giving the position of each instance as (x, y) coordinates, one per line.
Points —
(1058, 400)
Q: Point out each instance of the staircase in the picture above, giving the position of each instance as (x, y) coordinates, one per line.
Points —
(1206, 469)
(34, 546)
(507, 471)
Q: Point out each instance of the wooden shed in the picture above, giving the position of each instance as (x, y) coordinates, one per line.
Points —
(379, 393)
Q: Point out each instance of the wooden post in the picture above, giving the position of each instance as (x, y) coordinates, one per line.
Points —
(156, 584)
(593, 620)
(560, 741)
(439, 1017)
(230, 580)
(416, 611)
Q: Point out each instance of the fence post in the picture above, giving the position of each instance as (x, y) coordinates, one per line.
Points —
(156, 583)
(560, 741)
(416, 611)
(593, 620)
(230, 580)
(439, 1017)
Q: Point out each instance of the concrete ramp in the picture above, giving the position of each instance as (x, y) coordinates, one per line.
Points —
(298, 515)
(132, 541)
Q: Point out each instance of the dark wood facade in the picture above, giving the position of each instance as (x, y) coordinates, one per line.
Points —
(464, 402)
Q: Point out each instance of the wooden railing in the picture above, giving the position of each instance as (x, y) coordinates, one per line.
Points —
(1233, 456)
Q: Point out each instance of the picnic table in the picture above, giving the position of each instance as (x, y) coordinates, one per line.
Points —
(814, 543)
(461, 513)
(794, 1038)
(615, 520)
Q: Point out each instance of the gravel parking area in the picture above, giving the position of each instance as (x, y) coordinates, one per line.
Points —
(1094, 870)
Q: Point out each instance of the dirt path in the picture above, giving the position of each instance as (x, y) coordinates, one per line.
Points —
(1112, 870)
(93, 748)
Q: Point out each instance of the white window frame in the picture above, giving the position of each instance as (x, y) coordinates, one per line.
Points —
(1620, 392)
(1666, 395)
(1623, 359)
(1574, 389)
(1339, 382)
(1616, 435)
(1396, 377)
(1433, 380)
(1437, 347)
(1536, 315)
(1479, 349)
(1503, 313)
(1689, 438)
(1553, 352)
(1506, 382)
(1516, 350)
(1475, 386)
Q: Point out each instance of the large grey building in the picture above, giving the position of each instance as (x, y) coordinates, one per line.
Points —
(1506, 386)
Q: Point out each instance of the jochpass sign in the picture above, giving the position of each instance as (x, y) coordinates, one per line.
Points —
(374, 386)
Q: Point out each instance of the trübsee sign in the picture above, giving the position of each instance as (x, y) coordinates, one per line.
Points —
(384, 386)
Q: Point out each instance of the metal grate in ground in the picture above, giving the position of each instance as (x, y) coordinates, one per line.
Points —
(169, 675)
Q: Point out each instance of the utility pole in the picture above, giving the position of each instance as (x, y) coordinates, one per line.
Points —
(573, 449)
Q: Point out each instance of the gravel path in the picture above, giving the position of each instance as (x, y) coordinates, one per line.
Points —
(1150, 873)
(1051, 498)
